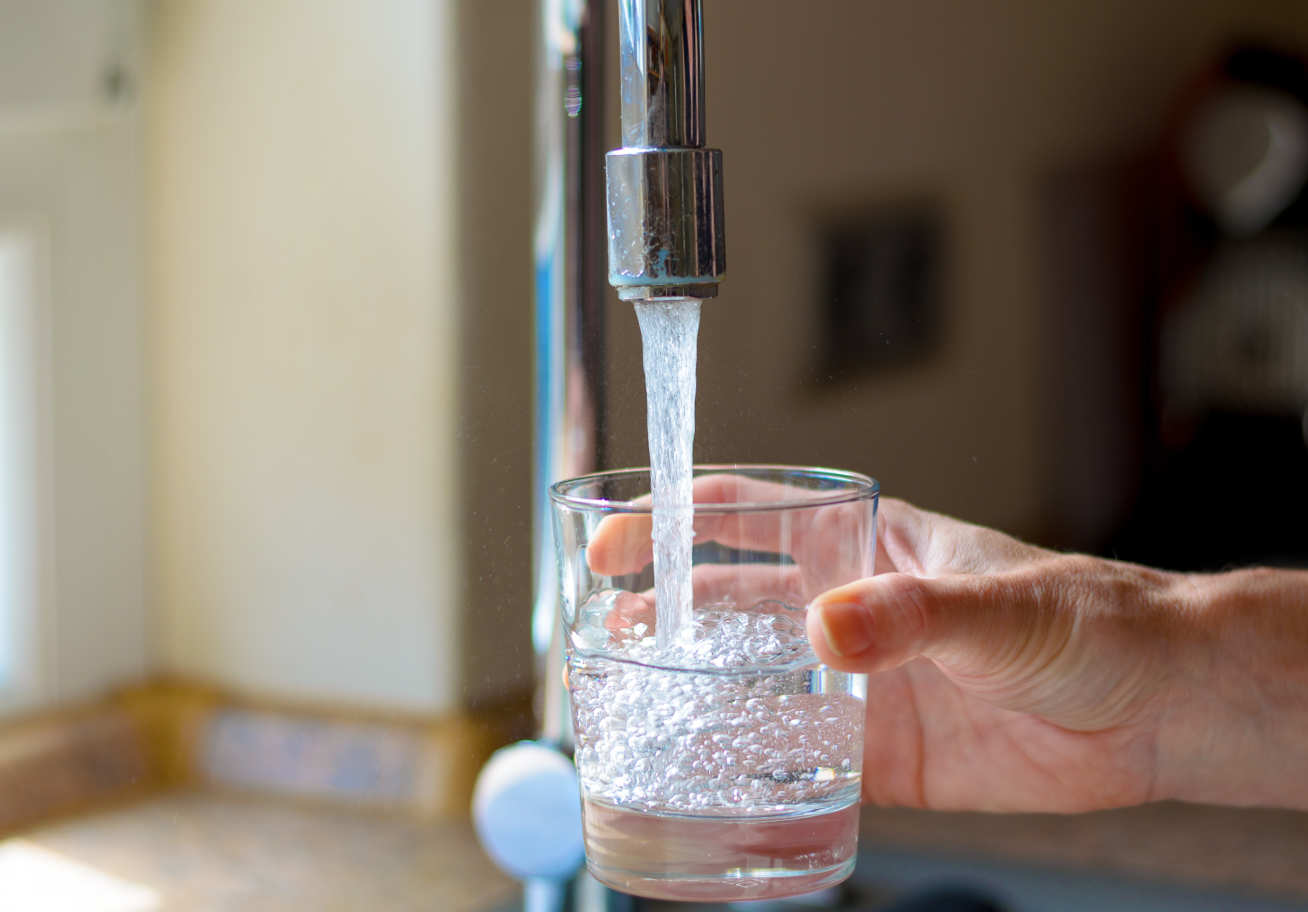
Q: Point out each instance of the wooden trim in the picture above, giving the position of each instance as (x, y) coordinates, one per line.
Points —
(70, 761)
(178, 734)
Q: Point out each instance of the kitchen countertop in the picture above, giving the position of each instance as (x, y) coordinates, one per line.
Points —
(210, 851)
(198, 852)
(1240, 849)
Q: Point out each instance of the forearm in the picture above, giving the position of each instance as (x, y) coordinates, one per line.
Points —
(1233, 726)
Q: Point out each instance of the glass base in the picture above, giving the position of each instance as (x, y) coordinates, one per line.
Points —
(726, 888)
(720, 859)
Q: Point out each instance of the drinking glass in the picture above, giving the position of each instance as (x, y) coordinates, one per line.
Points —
(719, 760)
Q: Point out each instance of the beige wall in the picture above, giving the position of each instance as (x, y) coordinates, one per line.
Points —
(340, 346)
(303, 347)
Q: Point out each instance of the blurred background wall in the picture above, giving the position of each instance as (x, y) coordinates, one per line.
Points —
(968, 113)
(294, 459)
(303, 326)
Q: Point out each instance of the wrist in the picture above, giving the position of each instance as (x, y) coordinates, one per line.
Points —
(1233, 725)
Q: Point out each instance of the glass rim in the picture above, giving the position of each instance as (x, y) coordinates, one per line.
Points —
(859, 487)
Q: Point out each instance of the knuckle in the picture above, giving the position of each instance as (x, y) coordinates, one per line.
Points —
(911, 607)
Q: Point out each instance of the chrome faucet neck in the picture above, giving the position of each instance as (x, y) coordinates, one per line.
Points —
(666, 233)
(662, 64)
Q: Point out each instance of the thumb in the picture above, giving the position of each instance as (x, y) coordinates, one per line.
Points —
(977, 625)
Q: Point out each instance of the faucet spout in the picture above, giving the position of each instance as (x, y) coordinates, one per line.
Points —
(666, 231)
(662, 70)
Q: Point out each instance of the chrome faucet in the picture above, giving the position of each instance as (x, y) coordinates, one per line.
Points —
(665, 240)
(666, 237)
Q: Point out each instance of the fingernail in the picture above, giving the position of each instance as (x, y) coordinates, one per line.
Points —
(846, 626)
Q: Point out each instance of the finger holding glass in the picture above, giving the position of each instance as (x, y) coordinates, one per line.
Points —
(757, 539)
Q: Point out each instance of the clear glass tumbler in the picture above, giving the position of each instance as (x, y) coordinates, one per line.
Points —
(722, 761)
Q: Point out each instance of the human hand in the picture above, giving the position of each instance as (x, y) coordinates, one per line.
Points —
(1006, 677)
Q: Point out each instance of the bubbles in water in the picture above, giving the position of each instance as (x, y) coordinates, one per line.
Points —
(717, 636)
(734, 716)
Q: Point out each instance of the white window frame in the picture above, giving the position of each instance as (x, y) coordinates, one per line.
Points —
(26, 358)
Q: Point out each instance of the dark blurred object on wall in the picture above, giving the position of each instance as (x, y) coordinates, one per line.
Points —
(880, 289)
(1225, 467)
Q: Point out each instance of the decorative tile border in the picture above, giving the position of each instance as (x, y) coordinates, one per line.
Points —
(304, 757)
